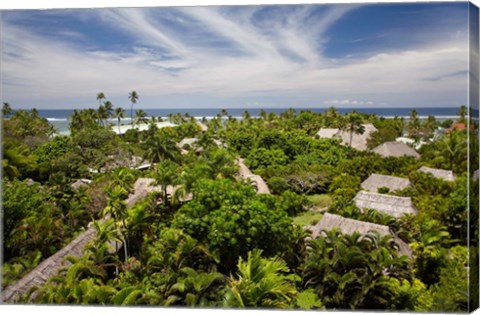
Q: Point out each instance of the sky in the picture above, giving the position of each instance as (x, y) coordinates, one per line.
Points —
(319, 55)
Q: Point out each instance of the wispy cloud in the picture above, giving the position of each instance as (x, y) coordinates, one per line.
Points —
(186, 52)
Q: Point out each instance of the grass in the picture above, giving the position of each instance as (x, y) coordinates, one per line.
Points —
(307, 218)
(320, 200)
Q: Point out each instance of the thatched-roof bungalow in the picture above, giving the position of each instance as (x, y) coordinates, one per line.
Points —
(140, 127)
(256, 180)
(53, 264)
(328, 133)
(48, 268)
(395, 149)
(186, 142)
(349, 226)
(258, 183)
(202, 126)
(144, 186)
(446, 175)
(392, 205)
(359, 141)
(412, 142)
(376, 181)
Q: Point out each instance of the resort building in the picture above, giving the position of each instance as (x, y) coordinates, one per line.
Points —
(202, 126)
(395, 149)
(120, 130)
(392, 205)
(359, 141)
(416, 144)
(349, 226)
(256, 180)
(438, 173)
(393, 183)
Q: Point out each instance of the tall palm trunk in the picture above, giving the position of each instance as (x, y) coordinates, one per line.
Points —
(131, 114)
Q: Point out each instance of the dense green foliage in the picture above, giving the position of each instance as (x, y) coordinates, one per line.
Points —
(205, 238)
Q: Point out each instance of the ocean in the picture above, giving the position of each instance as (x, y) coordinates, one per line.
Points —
(59, 117)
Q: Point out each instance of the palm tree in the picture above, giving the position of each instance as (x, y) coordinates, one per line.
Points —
(331, 117)
(133, 97)
(353, 123)
(167, 174)
(159, 148)
(462, 113)
(102, 114)
(119, 114)
(100, 97)
(141, 116)
(196, 288)
(261, 283)
(6, 109)
(117, 208)
(109, 108)
(453, 151)
(352, 271)
(413, 125)
(430, 125)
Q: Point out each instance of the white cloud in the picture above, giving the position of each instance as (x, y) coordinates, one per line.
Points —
(37, 68)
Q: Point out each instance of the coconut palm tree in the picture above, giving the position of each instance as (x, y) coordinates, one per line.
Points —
(141, 116)
(119, 114)
(117, 208)
(6, 109)
(353, 123)
(109, 108)
(166, 174)
(102, 115)
(429, 126)
(133, 97)
(331, 118)
(159, 148)
(100, 97)
(414, 125)
(462, 113)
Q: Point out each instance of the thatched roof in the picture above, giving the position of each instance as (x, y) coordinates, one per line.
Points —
(144, 186)
(52, 265)
(81, 183)
(359, 141)
(328, 133)
(259, 184)
(129, 161)
(202, 126)
(391, 205)
(186, 141)
(376, 181)
(257, 181)
(396, 149)
(349, 226)
(48, 268)
(243, 169)
(438, 173)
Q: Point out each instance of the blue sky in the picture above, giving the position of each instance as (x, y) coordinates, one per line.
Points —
(365, 55)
